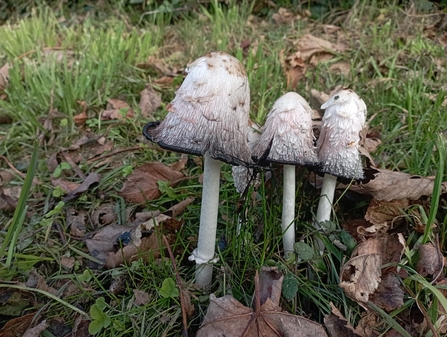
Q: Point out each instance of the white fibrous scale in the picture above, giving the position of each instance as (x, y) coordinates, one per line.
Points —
(338, 143)
(210, 111)
(287, 135)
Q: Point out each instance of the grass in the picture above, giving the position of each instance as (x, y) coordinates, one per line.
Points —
(58, 67)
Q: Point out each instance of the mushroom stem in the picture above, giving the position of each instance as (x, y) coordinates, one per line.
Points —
(288, 209)
(326, 198)
(208, 221)
(324, 209)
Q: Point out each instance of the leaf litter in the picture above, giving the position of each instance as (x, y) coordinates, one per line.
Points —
(228, 317)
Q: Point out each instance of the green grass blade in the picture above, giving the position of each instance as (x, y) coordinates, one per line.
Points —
(19, 214)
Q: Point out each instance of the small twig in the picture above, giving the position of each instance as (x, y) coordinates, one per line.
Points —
(129, 149)
(35, 50)
(73, 165)
(23, 176)
(177, 276)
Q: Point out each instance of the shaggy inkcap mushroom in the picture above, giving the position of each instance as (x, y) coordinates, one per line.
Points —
(287, 138)
(209, 112)
(209, 117)
(338, 145)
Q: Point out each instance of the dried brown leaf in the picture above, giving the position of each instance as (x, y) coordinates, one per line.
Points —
(308, 45)
(149, 102)
(341, 67)
(76, 222)
(4, 76)
(66, 186)
(381, 211)
(431, 261)
(141, 185)
(294, 67)
(115, 110)
(389, 185)
(165, 82)
(360, 276)
(92, 178)
(337, 325)
(388, 295)
(141, 297)
(228, 317)
(284, 16)
(17, 326)
(37, 330)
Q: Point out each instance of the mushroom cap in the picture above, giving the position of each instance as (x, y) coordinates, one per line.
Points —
(287, 135)
(338, 143)
(209, 112)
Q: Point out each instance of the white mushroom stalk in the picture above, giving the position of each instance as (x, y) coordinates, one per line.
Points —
(338, 145)
(209, 117)
(287, 138)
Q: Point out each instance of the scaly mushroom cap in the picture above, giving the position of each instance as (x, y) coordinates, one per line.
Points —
(209, 111)
(287, 136)
(338, 144)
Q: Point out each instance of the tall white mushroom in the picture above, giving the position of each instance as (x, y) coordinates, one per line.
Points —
(209, 117)
(338, 145)
(287, 138)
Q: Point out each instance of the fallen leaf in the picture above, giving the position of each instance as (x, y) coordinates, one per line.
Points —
(7, 203)
(141, 185)
(141, 297)
(117, 109)
(76, 222)
(228, 317)
(381, 211)
(389, 185)
(309, 46)
(431, 261)
(360, 276)
(149, 101)
(388, 295)
(66, 186)
(17, 326)
(37, 330)
(92, 178)
(337, 325)
(284, 16)
(294, 67)
(341, 67)
(165, 82)
(103, 215)
(4, 76)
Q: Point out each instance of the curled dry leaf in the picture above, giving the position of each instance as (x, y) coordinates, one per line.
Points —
(17, 326)
(141, 185)
(360, 276)
(380, 211)
(92, 178)
(337, 325)
(117, 109)
(431, 261)
(312, 48)
(389, 295)
(284, 16)
(228, 317)
(4, 76)
(37, 330)
(389, 185)
(149, 102)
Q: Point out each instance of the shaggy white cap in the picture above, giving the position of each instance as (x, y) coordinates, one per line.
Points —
(287, 134)
(209, 112)
(338, 144)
